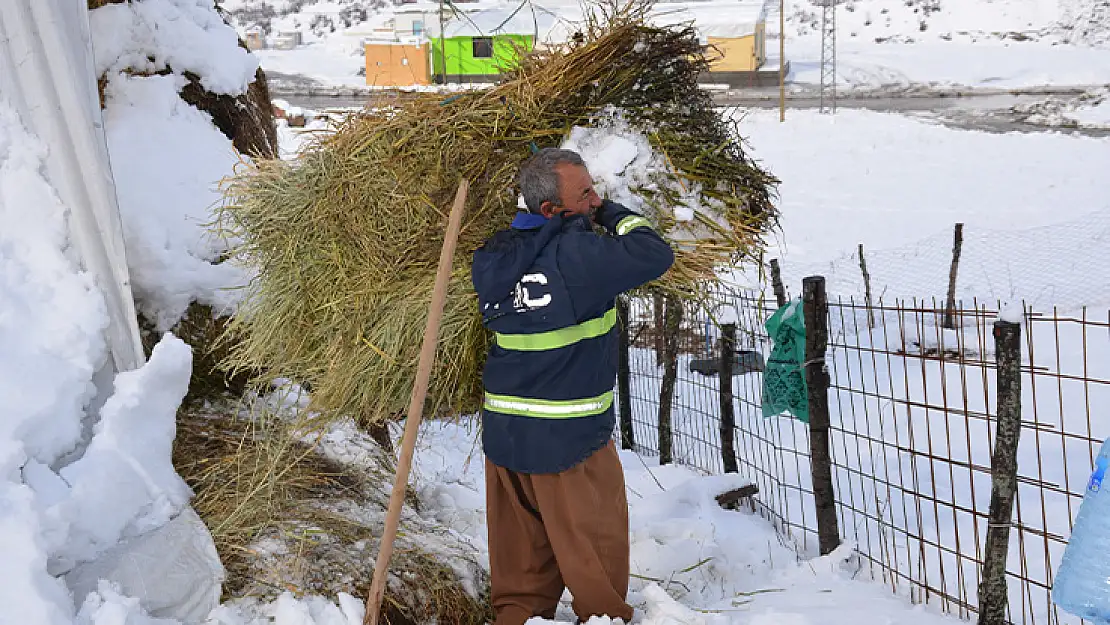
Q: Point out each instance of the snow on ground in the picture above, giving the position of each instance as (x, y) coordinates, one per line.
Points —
(1095, 115)
(693, 562)
(292, 139)
(334, 61)
(890, 441)
(1088, 110)
(1034, 206)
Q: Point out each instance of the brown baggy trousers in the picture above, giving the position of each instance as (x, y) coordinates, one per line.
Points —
(551, 530)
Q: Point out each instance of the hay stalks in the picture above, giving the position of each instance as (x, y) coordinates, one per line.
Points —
(286, 518)
(347, 238)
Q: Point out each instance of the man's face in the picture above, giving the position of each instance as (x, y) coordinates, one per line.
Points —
(576, 191)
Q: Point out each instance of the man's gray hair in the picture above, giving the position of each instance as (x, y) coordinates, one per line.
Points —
(538, 180)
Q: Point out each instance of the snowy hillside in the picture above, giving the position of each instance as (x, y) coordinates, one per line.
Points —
(908, 21)
(998, 44)
(318, 18)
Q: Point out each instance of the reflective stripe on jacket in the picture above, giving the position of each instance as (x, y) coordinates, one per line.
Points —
(547, 288)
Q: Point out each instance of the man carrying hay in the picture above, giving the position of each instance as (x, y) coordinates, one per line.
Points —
(556, 505)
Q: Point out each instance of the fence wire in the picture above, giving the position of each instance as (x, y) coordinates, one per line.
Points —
(912, 408)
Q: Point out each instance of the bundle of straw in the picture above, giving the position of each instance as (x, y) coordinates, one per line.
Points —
(346, 239)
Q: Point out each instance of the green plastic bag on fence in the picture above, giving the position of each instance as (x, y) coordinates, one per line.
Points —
(784, 383)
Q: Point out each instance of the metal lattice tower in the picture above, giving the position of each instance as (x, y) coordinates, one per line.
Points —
(828, 55)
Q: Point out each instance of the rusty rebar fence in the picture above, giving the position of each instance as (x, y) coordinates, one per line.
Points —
(913, 407)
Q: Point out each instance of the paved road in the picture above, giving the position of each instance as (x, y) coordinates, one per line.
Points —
(985, 110)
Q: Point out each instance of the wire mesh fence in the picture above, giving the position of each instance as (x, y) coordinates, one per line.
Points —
(912, 409)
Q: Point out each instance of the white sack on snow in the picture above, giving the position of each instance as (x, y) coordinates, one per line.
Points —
(174, 571)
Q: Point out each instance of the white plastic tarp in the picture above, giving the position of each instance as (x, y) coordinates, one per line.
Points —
(47, 75)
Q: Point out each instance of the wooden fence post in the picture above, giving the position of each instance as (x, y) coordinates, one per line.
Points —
(728, 416)
(993, 595)
(866, 288)
(816, 310)
(670, 376)
(657, 307)
(776, 283)
(950, 305)
(624, 375)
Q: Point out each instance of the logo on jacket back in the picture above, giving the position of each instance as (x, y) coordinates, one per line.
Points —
(532, 297)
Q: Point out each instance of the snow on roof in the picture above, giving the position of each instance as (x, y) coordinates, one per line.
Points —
(557, 21)
(730, 18)
(508, 20)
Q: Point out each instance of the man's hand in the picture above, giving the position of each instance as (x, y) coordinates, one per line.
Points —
(609, 214)
(598, 214)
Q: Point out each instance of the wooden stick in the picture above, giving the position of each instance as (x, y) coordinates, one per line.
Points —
(416, 408)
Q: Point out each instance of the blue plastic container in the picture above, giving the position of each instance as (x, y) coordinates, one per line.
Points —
(1082, 584)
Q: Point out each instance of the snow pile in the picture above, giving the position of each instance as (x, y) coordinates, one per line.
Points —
(623, 164)
(1094, 115)
(51, 316)
(66, 495)
(183, 35)
(107, 606)
(288, 610)
(129, 454)
(168, 159)
(1089, 110)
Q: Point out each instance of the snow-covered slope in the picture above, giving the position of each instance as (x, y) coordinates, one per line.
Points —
(309, 17)
(1008, 44)
(1068, 21)
(903, 21)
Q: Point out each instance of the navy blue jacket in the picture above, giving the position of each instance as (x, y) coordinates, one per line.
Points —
(547, 288)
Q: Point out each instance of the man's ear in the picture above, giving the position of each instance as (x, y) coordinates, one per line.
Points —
(547, 209)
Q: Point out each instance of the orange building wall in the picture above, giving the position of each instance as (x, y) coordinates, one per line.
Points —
(397, 65)
(735, 54)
